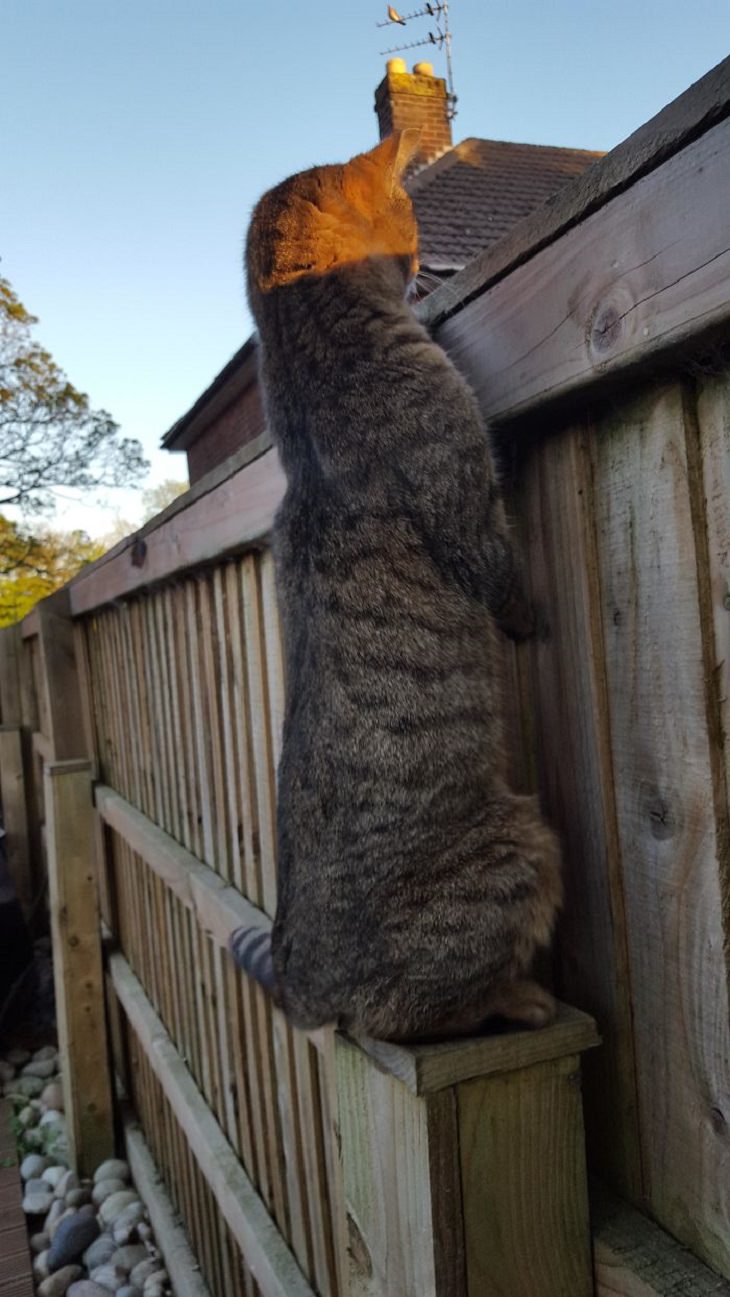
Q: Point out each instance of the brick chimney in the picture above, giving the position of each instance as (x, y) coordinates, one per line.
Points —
(416, 98)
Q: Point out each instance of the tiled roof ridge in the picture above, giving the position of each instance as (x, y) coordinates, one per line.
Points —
(450, 156)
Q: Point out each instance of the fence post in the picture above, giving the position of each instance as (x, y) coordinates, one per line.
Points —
(77, 963)
(464, 1164)
(15, 815)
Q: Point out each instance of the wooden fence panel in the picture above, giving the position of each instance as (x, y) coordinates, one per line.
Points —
(663, 781)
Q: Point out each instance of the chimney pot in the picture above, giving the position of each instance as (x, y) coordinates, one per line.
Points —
(413, 99)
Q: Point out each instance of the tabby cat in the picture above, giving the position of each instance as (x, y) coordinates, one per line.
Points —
(414, 887)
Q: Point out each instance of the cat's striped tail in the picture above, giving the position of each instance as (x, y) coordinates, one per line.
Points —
(251, 950)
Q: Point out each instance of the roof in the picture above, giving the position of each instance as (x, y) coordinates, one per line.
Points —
(465, 201)
(479, 189)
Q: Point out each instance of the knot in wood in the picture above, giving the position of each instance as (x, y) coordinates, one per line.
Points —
(606, 328)
(662, 808)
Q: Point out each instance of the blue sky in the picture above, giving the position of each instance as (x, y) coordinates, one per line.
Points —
(139, 133)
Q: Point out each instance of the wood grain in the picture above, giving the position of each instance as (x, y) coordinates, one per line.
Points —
(524, 1183)
(266, 1253)
(621, 288)
(77, 968)
(632, 1257)
(569, 703)
(424, 1068)
(236, 513)
(663, 782)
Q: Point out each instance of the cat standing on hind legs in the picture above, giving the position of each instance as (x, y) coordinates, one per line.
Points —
(414, 886)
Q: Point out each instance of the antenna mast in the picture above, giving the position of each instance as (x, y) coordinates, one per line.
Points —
(441, 38)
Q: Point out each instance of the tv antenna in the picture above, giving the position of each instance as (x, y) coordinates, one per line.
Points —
(441, 38)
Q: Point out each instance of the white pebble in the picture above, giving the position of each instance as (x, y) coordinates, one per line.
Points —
(113, 1207)
(113, 1169)
(53, 1174)
(40, 1264)
(33, 1166)
(109, 1276)
(104, 1189)
(37, 1204)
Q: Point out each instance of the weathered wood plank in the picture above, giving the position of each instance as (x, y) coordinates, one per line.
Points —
(632, 1257)
(77, 966)
(384, 1141)
(13, 797)
(180, 1262)
(622, 287)
(692, 113)
(424, 1068)
(523, 1177)
(568, 701)
(238, 512)
(63, 711)
(663, 782)
(712, 397)
(266, 1254)
(218, 907)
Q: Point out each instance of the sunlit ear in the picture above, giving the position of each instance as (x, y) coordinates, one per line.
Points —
(394, 153)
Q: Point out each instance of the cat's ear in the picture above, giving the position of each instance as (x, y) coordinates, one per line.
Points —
(394, 153)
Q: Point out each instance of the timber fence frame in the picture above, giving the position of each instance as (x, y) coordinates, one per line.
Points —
(306, 1164)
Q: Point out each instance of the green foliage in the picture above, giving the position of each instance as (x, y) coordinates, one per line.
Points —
(32, 565)
(49, 435)
(157, 498)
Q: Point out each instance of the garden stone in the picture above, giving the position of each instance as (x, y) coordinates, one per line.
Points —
(53, 1174)
(33, 1166)
(144, 1271)
(77, 1197)
(37, 1204)
(46, 1051)
(126, 1225)
(113, 1206)
(7, 1071)
(57, 1284)
(40, 1266)
(35, 1185)
(27, 1117)
(52, 1097)
(30, 1086)
(52, 1117)
(144, 1233)
(69, 1181)
(86, 1288)
(110, 1277)
(113, 1169)
(42, 1067)
(155, 1284)
(100, 1252)
(39, 1242)
(33, 1138)
(129, 1291)
(58, 1208)
(130, 1255)
(73, 1236)
(105, 1188)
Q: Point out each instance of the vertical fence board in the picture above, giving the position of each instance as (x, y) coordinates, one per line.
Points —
(666, 822)
(568, 699)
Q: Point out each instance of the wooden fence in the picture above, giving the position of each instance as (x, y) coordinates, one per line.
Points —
(596, 337)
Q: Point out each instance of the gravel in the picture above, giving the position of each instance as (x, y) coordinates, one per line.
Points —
(90, 1238)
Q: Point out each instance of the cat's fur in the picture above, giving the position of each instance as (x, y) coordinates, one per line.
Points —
(414, 887)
